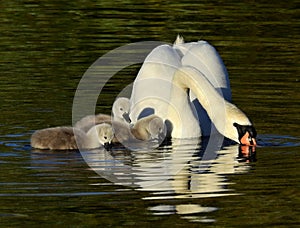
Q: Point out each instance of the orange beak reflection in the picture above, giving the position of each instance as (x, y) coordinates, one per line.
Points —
(247, 153)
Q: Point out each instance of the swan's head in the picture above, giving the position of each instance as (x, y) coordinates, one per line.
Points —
(105, 134)
(246, 134)
(121, 109)
(157, 129)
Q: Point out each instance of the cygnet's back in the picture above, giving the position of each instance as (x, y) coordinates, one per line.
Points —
(150, 127)
(147, 128)
(87, 122)
(68, 138)
(122, 132)
(58, 138)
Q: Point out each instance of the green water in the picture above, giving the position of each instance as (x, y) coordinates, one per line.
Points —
(45, 49)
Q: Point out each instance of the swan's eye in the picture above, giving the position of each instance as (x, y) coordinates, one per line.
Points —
(121, 109)
(105, 137)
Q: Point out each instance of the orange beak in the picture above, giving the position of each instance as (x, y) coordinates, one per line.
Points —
(247, 140)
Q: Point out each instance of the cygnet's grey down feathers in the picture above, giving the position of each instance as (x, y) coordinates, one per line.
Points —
(150, 127)
(69, 138)
(58, 138)
(87, 122)
(120, 112)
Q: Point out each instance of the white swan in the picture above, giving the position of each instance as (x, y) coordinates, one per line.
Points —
(69, 138)
(152, 86)
(154, 91)
(120, 112)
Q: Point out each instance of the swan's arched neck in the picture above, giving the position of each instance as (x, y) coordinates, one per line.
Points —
(222, 113)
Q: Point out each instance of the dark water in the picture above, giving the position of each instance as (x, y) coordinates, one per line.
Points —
(46, 48)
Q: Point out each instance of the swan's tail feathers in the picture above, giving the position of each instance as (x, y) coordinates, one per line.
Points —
(179, 40)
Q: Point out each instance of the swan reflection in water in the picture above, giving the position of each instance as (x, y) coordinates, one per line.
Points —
(186, 168)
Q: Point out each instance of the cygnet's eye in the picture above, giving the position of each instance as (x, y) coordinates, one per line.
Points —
(105, 137)
(121, 109)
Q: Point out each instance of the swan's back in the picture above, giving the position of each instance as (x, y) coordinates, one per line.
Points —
(205, 58)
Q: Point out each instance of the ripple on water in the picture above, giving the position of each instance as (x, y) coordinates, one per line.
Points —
(191, 212)
(13, 215)
(270, 140)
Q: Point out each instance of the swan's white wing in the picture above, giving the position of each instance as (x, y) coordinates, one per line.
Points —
(205, 58)
(153, 84)
(183, 48)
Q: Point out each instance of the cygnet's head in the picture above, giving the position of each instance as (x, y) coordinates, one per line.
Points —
(105, 134)
(157, 128)
(121, 109)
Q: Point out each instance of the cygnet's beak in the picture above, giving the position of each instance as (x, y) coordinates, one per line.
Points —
(107, 146)
(126, 117)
